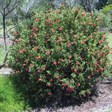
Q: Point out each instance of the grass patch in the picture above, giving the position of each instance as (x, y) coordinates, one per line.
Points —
(10, 100)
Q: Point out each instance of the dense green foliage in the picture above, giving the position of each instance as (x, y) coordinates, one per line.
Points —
(59, 53)
(107, 9)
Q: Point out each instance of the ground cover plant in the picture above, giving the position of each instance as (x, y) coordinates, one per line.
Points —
(60, 53)
(10, 101)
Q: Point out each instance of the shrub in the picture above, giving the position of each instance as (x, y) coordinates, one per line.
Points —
(106, 16)
(59, 53)
(105, 20)
(107, 9)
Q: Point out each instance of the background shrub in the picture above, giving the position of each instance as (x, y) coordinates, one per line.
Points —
(106, 17)
(107, 9)
(59, 53)
(105, 20)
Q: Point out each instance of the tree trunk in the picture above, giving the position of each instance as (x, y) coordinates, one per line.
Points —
(4, 31)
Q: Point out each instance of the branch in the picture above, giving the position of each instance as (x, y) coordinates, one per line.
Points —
(10, 29)
(9, 11)
(5, 59)
(8, 4)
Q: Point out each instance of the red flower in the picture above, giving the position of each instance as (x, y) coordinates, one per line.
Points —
(101, 63)
(49, 85)
(47, 35)
(51, 80)
(70, 89)
(80, 58)
(54, 63)
(91, 36)
(78, 84)
(101, 69)
(34, 29)
(26, 61)
(68, 45)
(75, 71)
(94, 24)
(99, 30)
(49, 93)
(38, 71)
(89, 23)
(76, 63)
(16, 40)
(60, 29)
(70, 57)
(58, 77)
(110, 51)
(27, 69)
(83, 13)
(53, 30)
(31, 36)
(36, 48)
(99, 42)
(82, 42)
(39, 79)
(48, 52)
(59, 39)
(64, 85)
(62, 4)
(15, 33)
(44, 76)
(57, 21)
(89, 77)
(84, 23)
(37, 19)
(60, 81)
(44, 67)
(69, 60)
(104, 36)
(31, 65)
(38, 57)
(24, 64)
(16, 60)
